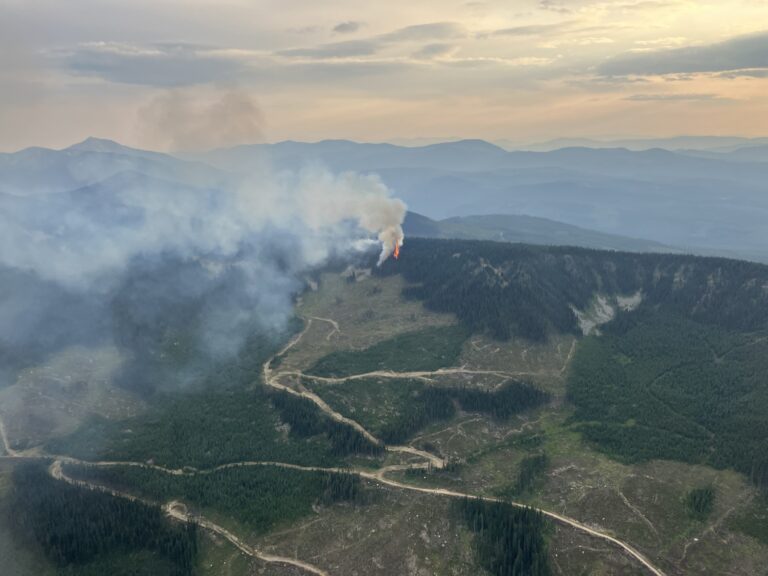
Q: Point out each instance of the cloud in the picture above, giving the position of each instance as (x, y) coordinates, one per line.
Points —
(371, 46)
(674, 97)
(347, 27)
(154, 64)
(531, 30)
(553, 6)
(434, 51)
(749, 73)
(430, 31)
(743, 52)
(350, 48)
(576, 5)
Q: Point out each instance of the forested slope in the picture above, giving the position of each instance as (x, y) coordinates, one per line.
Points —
(682, 376)
(529, 291)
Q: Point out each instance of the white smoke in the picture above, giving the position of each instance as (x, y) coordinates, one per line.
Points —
(150, 241)
(239, 249)
(83, 239)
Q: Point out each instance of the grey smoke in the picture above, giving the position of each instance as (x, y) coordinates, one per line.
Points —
(134, 253)
(180, 119)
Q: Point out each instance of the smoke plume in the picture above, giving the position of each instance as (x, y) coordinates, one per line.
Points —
(181, 119)
(164, 266)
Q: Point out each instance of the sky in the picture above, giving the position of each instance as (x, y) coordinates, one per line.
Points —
(173, 74)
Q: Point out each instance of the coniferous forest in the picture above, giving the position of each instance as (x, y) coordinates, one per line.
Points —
(75, 527)
(509, 290)
(509, 541)
(259, 497)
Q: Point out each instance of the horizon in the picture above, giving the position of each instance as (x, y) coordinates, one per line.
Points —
(614, 143)
(199, 75)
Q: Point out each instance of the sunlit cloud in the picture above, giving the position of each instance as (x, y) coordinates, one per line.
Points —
(485, 67)
(743, 52)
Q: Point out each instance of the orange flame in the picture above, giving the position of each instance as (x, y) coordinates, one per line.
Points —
(397, 251)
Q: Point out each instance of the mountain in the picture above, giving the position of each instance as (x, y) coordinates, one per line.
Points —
(758, 153)
(524, 229)
(710, 202)
(42, 170)
(717, 143)
(464, 155)
(702, 204)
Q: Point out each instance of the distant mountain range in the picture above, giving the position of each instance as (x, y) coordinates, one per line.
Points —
(42, 170)
(698, 201)
(525, 230)
(710, 143)
(712, 200)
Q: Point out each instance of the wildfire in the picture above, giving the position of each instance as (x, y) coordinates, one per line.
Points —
(397, 251)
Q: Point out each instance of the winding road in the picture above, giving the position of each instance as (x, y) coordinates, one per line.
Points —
(178, 510)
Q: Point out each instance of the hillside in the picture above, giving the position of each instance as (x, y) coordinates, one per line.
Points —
(460, 370)
(530, 291)
(524, 229)
(672, 197)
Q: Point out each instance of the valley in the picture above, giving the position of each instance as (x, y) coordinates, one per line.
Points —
(605, 516)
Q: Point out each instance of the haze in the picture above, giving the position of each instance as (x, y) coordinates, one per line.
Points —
(520, 71)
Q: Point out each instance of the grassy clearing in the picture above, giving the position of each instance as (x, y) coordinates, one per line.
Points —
(367, 312)
(53, 398)
(753, 521)
(542, 363)
(397, 532)
(423, 350)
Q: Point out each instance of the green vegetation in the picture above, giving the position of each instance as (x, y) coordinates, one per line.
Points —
(391, 410)
(141, 563)
(532, 469)
(511, 398)
(700, 501)
(201, 430)
(509, 541)
(83, 531)
(528, 291)
(660, 386)
(395, 409)
(260, 497)
(424, 350)
(306, 421)
(428, 405)
(165, 343)
(753, 521)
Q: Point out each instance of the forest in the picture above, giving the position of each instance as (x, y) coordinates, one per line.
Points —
(664, 386)
(79, 529)
(422, 350)
(509, 541)
(201, 429)
(700, 501)
(259, 497)
(507, 290)
(306, 421)
(395, 409)
(158, 316)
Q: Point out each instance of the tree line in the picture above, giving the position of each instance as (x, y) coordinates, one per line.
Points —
(508, 290)
(306, 420)
(260, 497)
(75, 526)
(509, 541)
